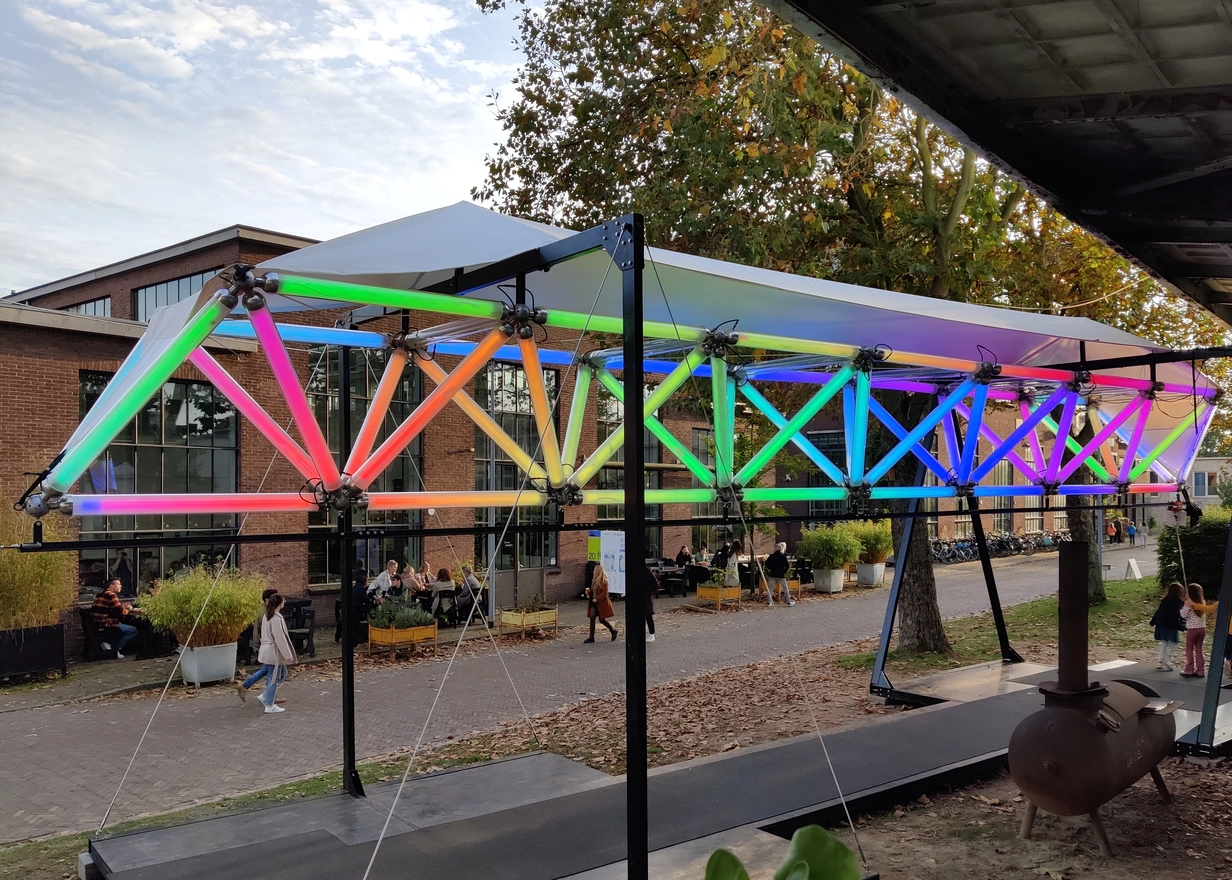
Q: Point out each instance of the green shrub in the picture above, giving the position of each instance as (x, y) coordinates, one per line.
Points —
(876, 542)
(399, 613)
(531, 603)
(814, 854)
(35, 588)
(1204, 546)
(828, 548)
(234, 603)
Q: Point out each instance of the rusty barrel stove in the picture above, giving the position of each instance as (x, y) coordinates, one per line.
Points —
(1091, 741)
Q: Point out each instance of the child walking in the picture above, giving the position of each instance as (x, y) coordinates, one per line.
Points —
(1194, 615)
(1168, 623)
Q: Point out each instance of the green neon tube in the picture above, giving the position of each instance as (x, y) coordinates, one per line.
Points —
(1185, 424)
(604, 324)
(364, 294)
(654, 400)
(653, 496)
(1075, 447)
(577, 415)
(656, 427)
(125, 408)
(724, 438)
(795, 425)
(799, 346)
(775, 493)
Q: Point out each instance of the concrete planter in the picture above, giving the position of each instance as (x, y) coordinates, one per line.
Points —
(870, 574)
(828, 580)
(211, 663)
(32, 650)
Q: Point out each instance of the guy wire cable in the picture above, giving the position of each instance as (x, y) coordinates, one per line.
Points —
(491, 585)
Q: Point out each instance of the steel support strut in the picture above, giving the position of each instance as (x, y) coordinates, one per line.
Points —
(629, 256)
(1008, 654)
(346, 560)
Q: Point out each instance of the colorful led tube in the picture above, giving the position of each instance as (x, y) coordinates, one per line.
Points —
(577, 416)
(1153, 488)
(171, 504)
(368, 295)
(378, 409)
(888, 493)
(800, 346)
(1006, 491)
(995, 440)
(602, 324)
(971, 443)
(815, 455)
(1037, 450)
(1072, 445)
(401, 437)
(508, 353)
(123, 409)
(930, 461)
(1087, 489)
(656, 427)
(485, 422)
(653, 496)
(1088, 451)
(724, 437)
(254, 412)
(1016, 436)
(425, 500)
(814, 493)
(1174, 435)
(795, 425)
(916, 434)
(952, 450)
(307, 334)
(301, 410)
(1134, 444)
(1063, 437)
(1204, 423)
(541, 407)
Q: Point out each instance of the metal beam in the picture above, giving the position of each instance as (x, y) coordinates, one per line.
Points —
(1145, 360)
(1129, 35)
(1206, 168)
(1111, 106)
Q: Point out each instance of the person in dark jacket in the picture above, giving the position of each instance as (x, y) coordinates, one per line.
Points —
(652, 587)
(684, 557)
(776, 567)
(1168, 624)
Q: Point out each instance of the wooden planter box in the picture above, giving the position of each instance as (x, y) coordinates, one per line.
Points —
(395, 639)
(32, 650)
(718, 594)
(524, 620)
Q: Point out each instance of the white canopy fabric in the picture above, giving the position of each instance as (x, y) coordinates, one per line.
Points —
(424, 249)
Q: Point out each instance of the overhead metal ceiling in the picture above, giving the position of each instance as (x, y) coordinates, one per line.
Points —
(1118, 111)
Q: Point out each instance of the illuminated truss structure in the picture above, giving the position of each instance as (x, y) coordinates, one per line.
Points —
(731, 364)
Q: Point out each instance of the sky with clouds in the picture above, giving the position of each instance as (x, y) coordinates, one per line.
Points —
(131, 125)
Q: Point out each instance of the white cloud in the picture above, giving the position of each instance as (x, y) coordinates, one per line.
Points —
(133, 125)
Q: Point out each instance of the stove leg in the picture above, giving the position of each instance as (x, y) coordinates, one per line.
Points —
(1098, 824)
(1028, 821)
(1160, 785)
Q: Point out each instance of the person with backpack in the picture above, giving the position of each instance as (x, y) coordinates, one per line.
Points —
(1168, 623)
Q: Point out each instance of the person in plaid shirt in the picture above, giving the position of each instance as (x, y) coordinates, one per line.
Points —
(108, 613)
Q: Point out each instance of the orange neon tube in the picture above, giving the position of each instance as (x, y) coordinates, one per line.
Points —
(542, 408)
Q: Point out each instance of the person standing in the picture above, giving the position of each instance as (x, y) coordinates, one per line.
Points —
(777, 566)
(599, 606)
(276, 652)
(123, 572)
(652, 588)
(1194, 615)
(1132, 531)
(1168, 623)
(108, 613)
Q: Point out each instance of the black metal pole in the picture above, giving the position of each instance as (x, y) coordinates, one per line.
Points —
(629, 259)
(1008, 654)
(346, 560)
(1214, 673)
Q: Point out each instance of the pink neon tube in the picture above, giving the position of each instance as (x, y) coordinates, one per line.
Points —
(301, 411)
(992, 437)
(1152, 488)
(1037, 451)
(1098, 440)
(431, 405)
(1135, 440)
(254, 412)
(1063, 428)
(376, 412)
(424, 500)
(171, 504)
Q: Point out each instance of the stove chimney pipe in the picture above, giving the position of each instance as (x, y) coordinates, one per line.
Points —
(1073, 606)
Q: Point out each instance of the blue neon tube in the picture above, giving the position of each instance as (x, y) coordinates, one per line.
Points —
(1018, 434)
(859, 434)
(972, 441)
(1006, 491)
(902, 492)
(1063, 428)
(308, 335)
(916, 434)
(815, 455)
(1086, 490)
(930, 461)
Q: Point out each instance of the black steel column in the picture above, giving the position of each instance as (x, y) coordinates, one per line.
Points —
(1214, 673)
(629, 259)
(1008, 653)
(346, 561)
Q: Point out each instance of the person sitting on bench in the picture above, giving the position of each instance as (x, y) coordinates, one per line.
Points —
(108, 614)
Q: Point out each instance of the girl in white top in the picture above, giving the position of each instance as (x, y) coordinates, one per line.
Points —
(731, 578)
(276, 652)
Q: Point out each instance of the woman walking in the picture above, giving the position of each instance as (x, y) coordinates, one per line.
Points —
(276, 652)
(600, 605)
(652, 589)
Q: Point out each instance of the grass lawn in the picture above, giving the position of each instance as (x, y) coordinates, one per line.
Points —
(1120, 624)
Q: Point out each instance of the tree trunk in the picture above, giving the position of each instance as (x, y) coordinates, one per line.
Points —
(1082, 525)
(919, 618)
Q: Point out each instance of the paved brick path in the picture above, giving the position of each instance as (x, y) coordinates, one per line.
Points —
(61, 763)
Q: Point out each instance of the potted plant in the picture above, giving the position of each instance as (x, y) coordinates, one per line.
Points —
(829, 549)
(234, 603)
(530, 614)
(876, 545)
(400, 623)
(35, 590)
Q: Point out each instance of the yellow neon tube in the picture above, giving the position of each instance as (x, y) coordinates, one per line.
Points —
(577, 414)
(542, 409)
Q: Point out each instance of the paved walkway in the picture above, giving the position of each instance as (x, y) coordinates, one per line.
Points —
(62, 763)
